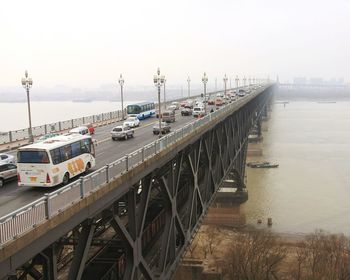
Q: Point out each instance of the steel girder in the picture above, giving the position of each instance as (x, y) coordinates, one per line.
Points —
(156, 220)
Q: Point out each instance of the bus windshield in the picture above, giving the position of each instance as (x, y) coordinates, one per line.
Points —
(133, 109)
(33, 157)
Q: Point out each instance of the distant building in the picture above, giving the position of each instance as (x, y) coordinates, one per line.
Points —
(300, 81)
(316, 81)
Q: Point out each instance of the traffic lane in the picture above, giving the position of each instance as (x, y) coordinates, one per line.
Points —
(110, 150)
(12, 197)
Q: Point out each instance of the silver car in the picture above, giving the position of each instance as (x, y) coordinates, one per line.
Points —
(8, 171)
(6, 158)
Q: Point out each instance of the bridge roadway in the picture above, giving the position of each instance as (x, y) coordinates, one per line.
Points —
(13, 197)
(220, 152)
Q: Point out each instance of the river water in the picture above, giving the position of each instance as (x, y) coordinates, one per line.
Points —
(14, 116)
(311, 187)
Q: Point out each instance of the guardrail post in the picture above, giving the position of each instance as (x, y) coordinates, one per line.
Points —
(155, 146)
(48, 206)
(93, 118)
(127, 162)
(143, 154)
(10, 136)
(72, 122)
(107, 173)
(83, 119)
(82, 191)
(59, 126)
(45, 129)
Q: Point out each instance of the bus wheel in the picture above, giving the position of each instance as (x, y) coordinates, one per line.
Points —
(65, 179)
(87, 168)
(126, 137)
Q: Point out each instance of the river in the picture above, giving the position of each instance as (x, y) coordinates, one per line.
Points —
(311, 187)
(14, 116)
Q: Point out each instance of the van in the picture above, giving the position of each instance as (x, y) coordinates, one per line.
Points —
(168, 116)
(80, 129)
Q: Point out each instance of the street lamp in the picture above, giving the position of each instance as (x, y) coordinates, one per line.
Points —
(250, 81)
(164, 94)
(216, 84)
(237, 80)
(205, 80)
(121, 82)
(158, 82)
(27, 84)
(225, 82)
(188, 86)
(244, 81)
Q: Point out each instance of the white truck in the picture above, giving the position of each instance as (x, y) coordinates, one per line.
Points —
(122, 132)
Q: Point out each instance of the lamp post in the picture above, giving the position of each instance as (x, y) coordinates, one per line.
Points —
(158, 82)
(244, 81)
(225, 82)
(230, 84)
(27, 84)
(164, 99)
(121, 82)
(237, 80)
(250, 81)
(189, 86)
(205, 80)
(216, 84)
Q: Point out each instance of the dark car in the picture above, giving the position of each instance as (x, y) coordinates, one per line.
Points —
(165, 128)
(186, 111)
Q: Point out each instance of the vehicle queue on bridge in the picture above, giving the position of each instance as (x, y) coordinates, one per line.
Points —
(56, 174)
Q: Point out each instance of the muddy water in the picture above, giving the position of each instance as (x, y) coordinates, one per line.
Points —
(311, 187)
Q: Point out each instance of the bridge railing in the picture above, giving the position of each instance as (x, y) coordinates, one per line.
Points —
(29, 216)
(23, 134)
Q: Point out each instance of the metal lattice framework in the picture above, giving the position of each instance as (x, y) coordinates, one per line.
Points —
(145, 231)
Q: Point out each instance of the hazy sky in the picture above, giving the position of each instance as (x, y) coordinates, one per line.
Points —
(88, 43)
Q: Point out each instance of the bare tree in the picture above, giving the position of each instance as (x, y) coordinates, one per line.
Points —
(254, 255)
(324, 257)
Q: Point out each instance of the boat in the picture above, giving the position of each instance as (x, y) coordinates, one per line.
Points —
(264, 164)
(256, 162)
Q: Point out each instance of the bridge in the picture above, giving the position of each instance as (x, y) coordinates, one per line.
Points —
(312, 86)
(134, 217)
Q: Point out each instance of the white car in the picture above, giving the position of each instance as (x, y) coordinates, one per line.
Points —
(198, 111)
(6, 158)
(131, 122)
(122, 132)
(80, 129)
(176, 104)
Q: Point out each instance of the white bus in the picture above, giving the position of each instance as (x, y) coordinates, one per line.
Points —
(55, 161)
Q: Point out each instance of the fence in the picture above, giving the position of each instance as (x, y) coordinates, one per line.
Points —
(22, 134)
(27, 217)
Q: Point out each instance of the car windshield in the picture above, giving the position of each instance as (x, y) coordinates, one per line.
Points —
(117, 129)
(196, 109)
(130, 119)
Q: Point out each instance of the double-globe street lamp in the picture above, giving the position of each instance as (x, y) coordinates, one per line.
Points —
(205, 80)
(225, 82)
(121, 83)
(237, 81)
(189, 86)
(158, 82)
(164, 100)
(27, 84)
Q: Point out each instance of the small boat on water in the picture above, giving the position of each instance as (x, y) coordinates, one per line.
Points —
(264, 164)
(256, 162)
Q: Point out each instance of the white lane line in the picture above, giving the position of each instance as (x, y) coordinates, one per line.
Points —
(109, 138)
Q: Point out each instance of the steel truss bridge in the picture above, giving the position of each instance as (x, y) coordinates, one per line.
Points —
(134, 218)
